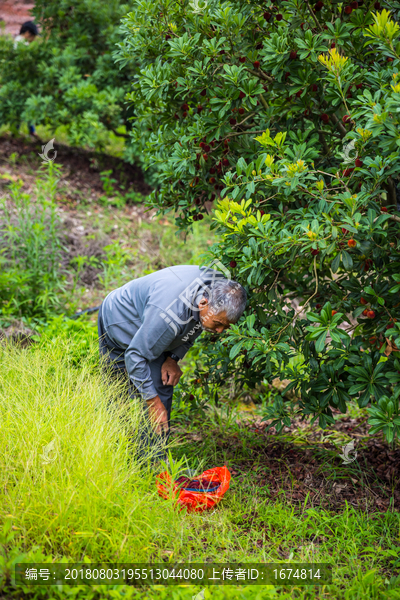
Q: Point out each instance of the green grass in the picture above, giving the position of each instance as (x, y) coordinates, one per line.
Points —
(88, 500)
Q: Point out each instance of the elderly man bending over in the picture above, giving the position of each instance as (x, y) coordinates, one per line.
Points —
(147, 326)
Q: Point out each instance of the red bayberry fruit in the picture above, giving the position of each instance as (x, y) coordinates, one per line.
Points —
(242, 59)
(167, 37)
(363, 301)
(202, 144)
(333, 45)
(232, 264)
(200, 217)
(185, 106)
(367, 265)
(184, 114)
(212, 170)
(377, 5)
(262, 212)
(205, 156)
(348, 10)
(319, 5)
(199, 108)
(176, 116)
(212, 179)
(241, 111)
(371, 314)
(365, 312)
(359, 86)
(354, 5)
(314, 87)
(203, 92)
(267, 16)
(279, 17)
(352, 243)
(299, 93)
(225, 162)
(384, 209)
(359, 162)
(325, 118)
(293, 54)
(232, 121)
(194, 217)
(334, 312)
(346, 119)
(207, 148)
(344, 231)
(389, 59)
(315, 252)
(347, 172)
(256, 64)
(197, 201)
(242, 94)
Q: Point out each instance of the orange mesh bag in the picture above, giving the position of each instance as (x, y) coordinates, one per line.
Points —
(196, 494)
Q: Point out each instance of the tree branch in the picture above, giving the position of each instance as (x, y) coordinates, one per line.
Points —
(264, 102)
(339, 125)
(313, 16)
(261, 74)
(391, 191)
(323, 142)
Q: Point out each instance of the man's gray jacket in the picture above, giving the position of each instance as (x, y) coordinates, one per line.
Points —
(154, 314)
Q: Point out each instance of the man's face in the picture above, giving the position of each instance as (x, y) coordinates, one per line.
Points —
(210, 320)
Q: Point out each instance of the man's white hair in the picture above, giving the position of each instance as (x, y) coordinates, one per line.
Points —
(228, 296)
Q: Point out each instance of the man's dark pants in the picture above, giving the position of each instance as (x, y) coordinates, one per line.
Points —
(114, 363)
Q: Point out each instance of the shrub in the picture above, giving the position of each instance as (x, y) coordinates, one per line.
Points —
(67, 76)
(287, 115)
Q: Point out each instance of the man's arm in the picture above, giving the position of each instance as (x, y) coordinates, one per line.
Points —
(150, 340)
(181, 350)
(153, 336)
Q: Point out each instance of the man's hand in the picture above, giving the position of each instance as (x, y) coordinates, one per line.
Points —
(170, 372)
(158, 415)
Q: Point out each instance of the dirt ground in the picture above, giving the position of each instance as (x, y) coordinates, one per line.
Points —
(304, 463)
(81, 168)
(13, 14)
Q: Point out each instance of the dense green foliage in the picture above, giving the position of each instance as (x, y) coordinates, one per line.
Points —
(67, 75)
(289, 114)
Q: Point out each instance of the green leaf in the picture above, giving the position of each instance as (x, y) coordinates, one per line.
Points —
(347, 260)
(335, 263)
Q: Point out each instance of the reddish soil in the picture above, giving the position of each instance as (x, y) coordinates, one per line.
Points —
(13, 14)
(81, 168)
(284, 466)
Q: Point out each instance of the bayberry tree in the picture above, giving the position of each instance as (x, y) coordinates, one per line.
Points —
(286, 114)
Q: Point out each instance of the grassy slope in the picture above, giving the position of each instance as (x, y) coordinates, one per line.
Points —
(87, 500)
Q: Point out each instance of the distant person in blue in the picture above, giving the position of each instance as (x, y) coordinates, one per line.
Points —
(27, 34)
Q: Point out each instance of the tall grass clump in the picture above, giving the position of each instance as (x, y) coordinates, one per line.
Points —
(70, 480)
(31, 275)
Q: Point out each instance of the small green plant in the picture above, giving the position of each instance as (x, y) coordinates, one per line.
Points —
(112, 197)
(113, 264)
(385, 417)
(31, 275)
